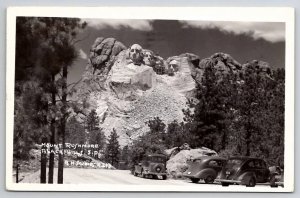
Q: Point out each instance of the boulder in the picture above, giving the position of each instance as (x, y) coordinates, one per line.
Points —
(177, 164)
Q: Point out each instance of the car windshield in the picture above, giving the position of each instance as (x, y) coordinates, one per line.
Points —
(157, 159)
(233, 163)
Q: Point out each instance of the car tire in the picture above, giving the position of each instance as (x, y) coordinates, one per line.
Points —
(195, 180)
(224, 184)
(272, 182)
(209, 179)
(164, 177)
(251, 182)
(135, 173)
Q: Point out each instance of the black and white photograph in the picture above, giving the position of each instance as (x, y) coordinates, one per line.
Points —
(150, 102)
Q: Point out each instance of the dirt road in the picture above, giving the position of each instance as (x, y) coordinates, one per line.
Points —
(106, 176)
(103, 176)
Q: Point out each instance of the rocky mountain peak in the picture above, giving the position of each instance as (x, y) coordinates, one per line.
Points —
(130, 86)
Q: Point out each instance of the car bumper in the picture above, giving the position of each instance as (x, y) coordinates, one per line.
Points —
(279, 183)
(155, 173)
(228, 181)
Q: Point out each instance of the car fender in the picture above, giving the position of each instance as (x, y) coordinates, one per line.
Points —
(205, 172)
(245, 177)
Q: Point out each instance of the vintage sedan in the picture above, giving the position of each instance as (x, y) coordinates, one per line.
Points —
(244, 171)
(206, 168)
(151, 166)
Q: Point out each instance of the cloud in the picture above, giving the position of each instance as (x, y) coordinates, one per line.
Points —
(144, 25)
(270, 31)
(82, 54)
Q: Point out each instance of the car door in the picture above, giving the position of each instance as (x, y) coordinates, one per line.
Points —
(216, 165)
(260, 171)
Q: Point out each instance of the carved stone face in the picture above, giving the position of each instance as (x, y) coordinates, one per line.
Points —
(174, 66)
(135, 54)
(148, 58)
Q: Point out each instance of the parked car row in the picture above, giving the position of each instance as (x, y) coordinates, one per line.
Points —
(246, 171)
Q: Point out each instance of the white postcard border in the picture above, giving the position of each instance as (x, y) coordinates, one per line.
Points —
(258, 14)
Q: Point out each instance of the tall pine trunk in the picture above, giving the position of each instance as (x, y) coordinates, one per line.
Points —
(52, 139)
(60, 176)
(43, 176)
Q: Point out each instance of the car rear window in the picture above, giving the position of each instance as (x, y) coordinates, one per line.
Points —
(233, 163)
(215, 163)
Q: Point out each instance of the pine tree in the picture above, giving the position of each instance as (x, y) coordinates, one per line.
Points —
(112, 152)
(45, 49)
(209, 122)
(176, 135)
(152, 142)
(75, 132)
(95, 134)
(125, 155)
(157, 130)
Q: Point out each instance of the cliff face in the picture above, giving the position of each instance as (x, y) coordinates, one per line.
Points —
(126, 94)
(129, 86)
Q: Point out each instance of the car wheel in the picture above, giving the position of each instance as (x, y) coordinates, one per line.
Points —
(209, 179)
(195, 180)
(135, 173)
(272, 182)
(251, 182)
(225, 184)
(164, 177)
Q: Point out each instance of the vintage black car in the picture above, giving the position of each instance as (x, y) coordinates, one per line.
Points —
(244, 171)
(206, 168)
(151, 166)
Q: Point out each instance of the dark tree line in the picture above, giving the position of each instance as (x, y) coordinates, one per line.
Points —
(45, 49)
(234, 114)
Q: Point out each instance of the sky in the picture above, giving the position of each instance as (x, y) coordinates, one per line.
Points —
(244, 41)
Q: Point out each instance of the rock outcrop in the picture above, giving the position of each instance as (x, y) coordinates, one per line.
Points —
(260, 67)
(103, 52)
(128, 87)
(127, 94)
(177, 164)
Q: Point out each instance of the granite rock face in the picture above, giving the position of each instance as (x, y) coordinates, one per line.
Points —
(126, 94)
(128, 87)
(103, 52)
